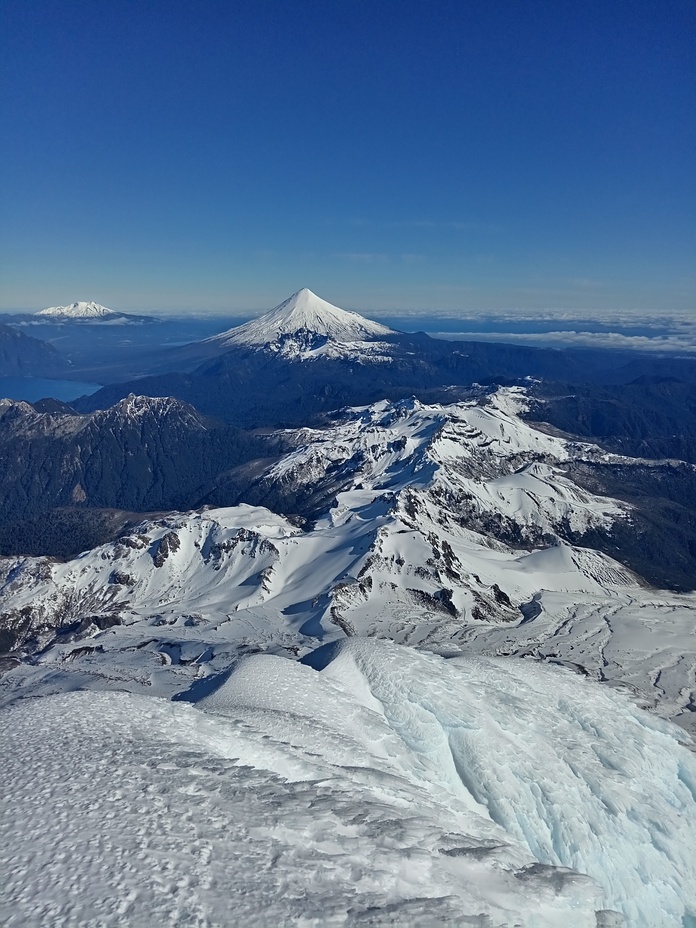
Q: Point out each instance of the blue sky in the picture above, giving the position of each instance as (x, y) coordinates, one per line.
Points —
(476, 154)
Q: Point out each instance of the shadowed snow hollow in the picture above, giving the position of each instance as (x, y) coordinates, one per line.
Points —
(391, 787)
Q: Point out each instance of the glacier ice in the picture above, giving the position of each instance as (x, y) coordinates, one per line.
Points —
(572, 771)
(377, 786)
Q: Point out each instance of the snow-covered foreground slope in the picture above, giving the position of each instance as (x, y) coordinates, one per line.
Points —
(392, 787)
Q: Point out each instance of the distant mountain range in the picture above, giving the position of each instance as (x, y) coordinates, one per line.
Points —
(65, 471)
(306, 356)
(445, 527)
(183, 439)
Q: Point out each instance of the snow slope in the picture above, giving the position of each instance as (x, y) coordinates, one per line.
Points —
(392, 787)
(306, 326)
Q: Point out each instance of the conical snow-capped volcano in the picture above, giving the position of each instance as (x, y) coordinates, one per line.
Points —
(80, 310)
(303, 315)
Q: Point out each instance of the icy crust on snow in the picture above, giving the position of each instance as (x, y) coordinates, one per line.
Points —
(391, 787)
(571, 771)
(305, 326)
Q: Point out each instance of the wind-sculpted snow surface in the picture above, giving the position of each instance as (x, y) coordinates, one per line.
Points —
(391, 787)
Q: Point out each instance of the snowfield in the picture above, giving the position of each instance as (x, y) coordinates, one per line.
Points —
(391, 787)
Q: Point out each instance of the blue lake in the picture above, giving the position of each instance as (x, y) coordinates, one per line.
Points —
(36, 388)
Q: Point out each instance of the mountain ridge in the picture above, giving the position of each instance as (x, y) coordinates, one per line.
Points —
(444, 528)
(143, 454)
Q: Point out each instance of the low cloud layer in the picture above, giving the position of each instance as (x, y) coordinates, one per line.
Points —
(673, 344)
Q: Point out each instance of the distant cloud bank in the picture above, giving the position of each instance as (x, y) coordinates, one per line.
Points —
(569, 339)
(663, 332)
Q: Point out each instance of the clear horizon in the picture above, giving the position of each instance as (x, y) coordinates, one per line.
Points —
(173, 157)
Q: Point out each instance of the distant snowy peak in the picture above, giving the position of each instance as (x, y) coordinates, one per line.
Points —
(79, 310)
(91, 312)
(303, 325)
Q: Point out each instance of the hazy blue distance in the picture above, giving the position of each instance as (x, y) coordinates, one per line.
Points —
(217, 156)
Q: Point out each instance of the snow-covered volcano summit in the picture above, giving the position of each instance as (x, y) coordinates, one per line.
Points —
(80, 310)
(86, 313)
(305, 325)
